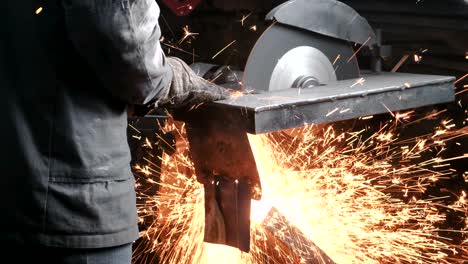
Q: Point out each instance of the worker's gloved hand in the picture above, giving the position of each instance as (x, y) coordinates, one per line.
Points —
(187, 88)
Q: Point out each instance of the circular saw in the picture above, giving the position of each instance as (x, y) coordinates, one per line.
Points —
(308, 45)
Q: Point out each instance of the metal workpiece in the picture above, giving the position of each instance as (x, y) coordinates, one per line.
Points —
(219, 145)
(327, 17)
(227, 212)
(373, 93)
(225, 165)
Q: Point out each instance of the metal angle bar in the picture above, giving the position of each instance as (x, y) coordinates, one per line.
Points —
(341, 100)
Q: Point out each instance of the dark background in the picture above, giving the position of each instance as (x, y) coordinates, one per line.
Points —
(409, 26)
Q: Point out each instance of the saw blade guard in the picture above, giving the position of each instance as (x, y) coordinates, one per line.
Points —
(327, 17)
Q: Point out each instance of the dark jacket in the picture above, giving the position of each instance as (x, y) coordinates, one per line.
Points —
(67, 75)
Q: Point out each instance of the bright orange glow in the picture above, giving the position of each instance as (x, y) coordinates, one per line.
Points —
(359, 195)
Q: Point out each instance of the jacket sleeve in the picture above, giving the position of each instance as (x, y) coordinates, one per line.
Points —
(120, 40)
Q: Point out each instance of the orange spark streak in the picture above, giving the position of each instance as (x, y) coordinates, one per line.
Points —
(179, 49)
(223, 49)
(187, 34)
(358, 81)
(367, 117)
(461, 78)
(400, 62)
(389, 111)
(361, 190)
(244, 17)
(134, 128)
(336, 59)
(358, 50)
(332, 111)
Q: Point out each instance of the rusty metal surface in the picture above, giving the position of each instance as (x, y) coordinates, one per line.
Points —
(227, 212)
(219, 144)
(224, 163)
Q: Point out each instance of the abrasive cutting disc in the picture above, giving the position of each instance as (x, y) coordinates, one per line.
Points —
(283, 54)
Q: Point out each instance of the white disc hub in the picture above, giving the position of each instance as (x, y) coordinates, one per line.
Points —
(303, 62)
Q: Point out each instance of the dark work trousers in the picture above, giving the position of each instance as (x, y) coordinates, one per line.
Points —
(53, 255)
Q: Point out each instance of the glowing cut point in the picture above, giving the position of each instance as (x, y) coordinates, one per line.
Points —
(259, 210)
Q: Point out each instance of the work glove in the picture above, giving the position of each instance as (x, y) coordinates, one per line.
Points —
(187, 88)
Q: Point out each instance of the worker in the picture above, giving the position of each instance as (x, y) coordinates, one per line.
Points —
(68, 71)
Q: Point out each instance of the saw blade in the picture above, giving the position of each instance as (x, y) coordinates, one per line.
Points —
(301, 62)
(284, 54)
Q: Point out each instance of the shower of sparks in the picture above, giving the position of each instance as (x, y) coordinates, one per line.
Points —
(223, 49)
(234, 74)
(366, 117)
(216, 77)
(187, 34)
(358, 81)
(400, 62)
(244, 17)
(332, 112)
(360, 195)
(147, 144)
(39, 10)
(388, 110)
(417, 58)
(188, 6)
(235, 94)
(358, 50)
(461, 78)
(465, 88)
(134, 128)
(336, 59)
(180, 49)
